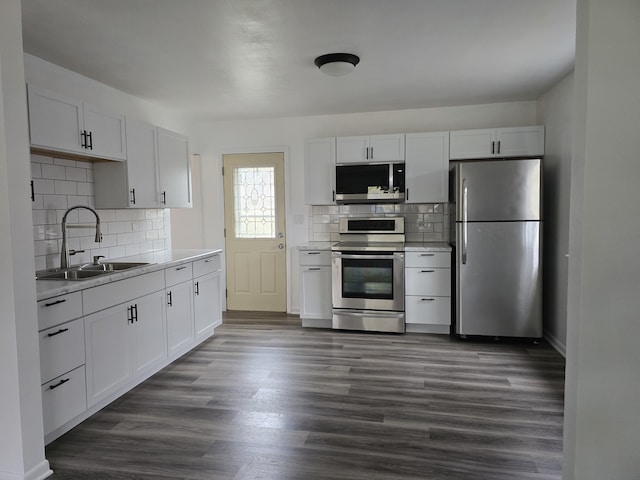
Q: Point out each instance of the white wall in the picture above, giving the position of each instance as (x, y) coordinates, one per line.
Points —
(22, 439)
(212, 140)
(602, 424)
(555, 112)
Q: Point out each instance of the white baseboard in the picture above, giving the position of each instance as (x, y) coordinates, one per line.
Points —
(39, 472)
(555, 343)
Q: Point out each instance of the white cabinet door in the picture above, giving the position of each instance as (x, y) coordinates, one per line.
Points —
(472, 144)
(179, 319)
(142, 164)
(352, 149)
(148, 335)
(319, 171)
(55, 121)
(427, 167)
(520, 141)
(386, 148)
(105, 133)
(315, 292)
(174, 169)
(107, 348)
(207, 311)
(373, 148)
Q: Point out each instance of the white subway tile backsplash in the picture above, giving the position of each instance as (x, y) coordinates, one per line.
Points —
(60, 184)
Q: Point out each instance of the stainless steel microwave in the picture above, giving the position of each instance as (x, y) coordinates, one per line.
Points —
(370, 183)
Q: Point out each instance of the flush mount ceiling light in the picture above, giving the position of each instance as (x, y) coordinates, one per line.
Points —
(337, 64)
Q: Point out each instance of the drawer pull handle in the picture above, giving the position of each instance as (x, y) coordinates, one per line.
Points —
(427, 271)
(63, 381)
(427, 299)
(313, 253)
(57, 302)
(314, 269)
(181, 268)
(208, 260)
(62, 330)
(427, 254)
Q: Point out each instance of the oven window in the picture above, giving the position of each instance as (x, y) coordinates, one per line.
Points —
(367, 279)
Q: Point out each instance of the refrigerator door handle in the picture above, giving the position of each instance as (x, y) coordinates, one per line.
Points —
(464, 221)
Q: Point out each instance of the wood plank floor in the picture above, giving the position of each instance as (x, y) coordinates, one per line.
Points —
(266, 399)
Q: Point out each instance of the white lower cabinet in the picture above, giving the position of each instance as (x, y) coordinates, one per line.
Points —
(207, 312)
(63, 398)
(123, 342)
(315, 287)
(428, 291)
(180, 335)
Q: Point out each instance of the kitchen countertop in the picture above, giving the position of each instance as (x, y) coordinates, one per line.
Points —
(316, 246)
(427, 247)
(157, 261)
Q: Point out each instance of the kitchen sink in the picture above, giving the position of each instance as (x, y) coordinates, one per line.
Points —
(86, 272)
(112, 266)
(74, 274)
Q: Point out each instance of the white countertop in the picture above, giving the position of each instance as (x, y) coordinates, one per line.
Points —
(427, 247)
(316, 246)
(157, 261)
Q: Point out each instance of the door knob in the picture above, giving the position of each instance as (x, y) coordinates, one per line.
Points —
(281, 246)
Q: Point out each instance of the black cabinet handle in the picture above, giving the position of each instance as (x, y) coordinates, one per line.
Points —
(62, 330)
(130, 314)
(90, 136)
(493, 147)
(313, 253)
(498, 146)
(314, 269)
(181, 268)
(133, 196)
(164, 197)
(334, 195)
(170, 301)
(427, 254)
(407, 194)
(427, 271)
(197, 288)
(57, 302)
(33, 194)
(61, 382)
(134, 312)
(83, 136)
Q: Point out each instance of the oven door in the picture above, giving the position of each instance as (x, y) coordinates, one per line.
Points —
(368, 280)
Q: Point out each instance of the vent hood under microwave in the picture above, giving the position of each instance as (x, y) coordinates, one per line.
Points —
(370, 183)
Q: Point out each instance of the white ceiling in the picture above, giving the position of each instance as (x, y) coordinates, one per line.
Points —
(234, 59)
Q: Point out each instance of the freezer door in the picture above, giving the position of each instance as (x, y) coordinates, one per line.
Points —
(499, 279)
(498, 190)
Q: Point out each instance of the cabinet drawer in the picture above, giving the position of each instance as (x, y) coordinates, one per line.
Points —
(206, 265)
(110, 294)
(428, 259)
(428, 281)
(428, 310)
(314, 257)
(61, 349)
(178, 274)
(59, 309)
(63, 398)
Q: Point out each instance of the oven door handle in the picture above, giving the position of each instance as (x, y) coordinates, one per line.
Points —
(391, 256)
(368, 313)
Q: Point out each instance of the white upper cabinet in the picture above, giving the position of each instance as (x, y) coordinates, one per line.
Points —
(427, 167)
(134, 183)
(372, 148)
(497, 142)
(69, 125)
(174, 169)
(319, 171)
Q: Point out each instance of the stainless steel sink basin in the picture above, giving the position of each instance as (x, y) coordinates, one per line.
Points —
(86, 272)
(70, 275)
(113, 266)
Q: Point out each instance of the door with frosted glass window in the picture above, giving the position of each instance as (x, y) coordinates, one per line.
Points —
(255, 232)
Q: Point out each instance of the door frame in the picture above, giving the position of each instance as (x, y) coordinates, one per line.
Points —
(284, 149)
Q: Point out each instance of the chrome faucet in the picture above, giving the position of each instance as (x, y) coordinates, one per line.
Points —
(64, 254)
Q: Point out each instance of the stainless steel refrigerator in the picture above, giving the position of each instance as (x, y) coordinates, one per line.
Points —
(498, 247)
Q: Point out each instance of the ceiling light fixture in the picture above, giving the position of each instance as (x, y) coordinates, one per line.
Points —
(337, 64)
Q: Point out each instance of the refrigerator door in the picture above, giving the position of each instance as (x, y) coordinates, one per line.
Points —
(499, 279)
(498, 190)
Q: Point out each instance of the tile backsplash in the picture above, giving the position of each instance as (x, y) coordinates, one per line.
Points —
(427, 222)
(60, 184)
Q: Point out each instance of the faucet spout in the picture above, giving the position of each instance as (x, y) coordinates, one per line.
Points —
(64, 254)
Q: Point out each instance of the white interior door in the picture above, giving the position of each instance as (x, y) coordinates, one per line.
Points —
(255, 232)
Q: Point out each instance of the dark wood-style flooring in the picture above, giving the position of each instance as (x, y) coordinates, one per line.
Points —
(266, 399)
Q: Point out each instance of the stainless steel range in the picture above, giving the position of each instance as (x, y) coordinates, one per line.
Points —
(368, 275)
